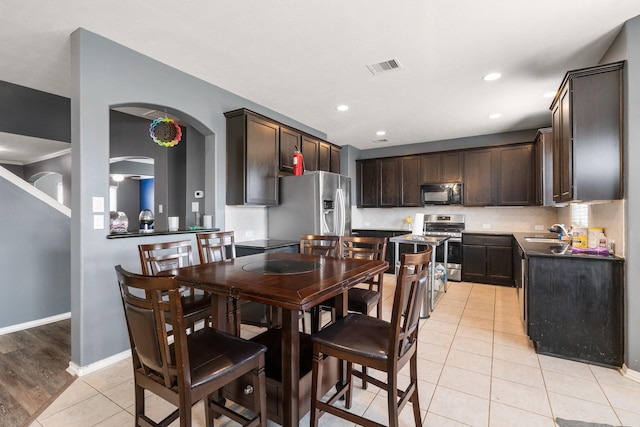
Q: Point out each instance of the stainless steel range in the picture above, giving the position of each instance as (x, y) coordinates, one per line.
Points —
(451, 226)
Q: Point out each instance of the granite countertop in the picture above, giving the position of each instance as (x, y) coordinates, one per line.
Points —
(266, 244)
(559, 249)
(158, 233)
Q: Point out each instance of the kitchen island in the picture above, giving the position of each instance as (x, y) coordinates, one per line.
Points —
(572, 303)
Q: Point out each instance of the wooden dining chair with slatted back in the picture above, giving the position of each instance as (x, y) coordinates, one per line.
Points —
(315, 244)
(378, 344)
(221, 246)
(185, 368)
(363, 298)
(160, 258)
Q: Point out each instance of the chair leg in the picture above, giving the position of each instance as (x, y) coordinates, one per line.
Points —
(349, 379)
(316, 384)
(392, 398)
(415, 399)
(139, 398)
(260, 393)
(364, 379)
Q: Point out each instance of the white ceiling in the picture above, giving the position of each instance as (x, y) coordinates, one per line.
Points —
(302, 58)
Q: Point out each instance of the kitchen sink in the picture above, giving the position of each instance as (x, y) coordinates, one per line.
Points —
(543, 240)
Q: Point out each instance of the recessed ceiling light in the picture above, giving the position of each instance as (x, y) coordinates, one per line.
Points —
(549, 94)
(495, 115)
(342, 107)
(491, 77)
(381, 132)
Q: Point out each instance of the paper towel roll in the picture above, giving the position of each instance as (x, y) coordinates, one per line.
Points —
(418, 224)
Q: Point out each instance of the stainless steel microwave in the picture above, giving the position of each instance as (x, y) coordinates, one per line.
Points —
(441, 194)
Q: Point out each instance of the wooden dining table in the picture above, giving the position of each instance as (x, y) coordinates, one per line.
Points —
(291, 282)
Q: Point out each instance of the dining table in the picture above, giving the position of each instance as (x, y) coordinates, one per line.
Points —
(292, 283)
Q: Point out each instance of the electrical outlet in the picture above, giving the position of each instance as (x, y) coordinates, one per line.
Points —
(539, 228)
(486, 226)
(367, 224)
(248, 233)
(159, 208)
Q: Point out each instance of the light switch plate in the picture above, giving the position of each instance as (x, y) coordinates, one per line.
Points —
(486, 226)
(98, 204)
(195, 206)
(539, 227)
(98, 222)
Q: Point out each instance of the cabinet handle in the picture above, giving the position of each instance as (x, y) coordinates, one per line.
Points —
(248, 389)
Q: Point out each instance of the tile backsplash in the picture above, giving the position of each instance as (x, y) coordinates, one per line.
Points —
(513, 219)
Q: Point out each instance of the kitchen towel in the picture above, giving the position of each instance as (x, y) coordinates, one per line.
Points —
(418, 224)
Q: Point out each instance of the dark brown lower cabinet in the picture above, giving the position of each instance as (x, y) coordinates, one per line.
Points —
(576, 307)
(487, 258)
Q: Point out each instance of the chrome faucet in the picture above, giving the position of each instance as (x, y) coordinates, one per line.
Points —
(554, 229)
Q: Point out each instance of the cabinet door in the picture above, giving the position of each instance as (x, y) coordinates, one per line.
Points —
(368, 183)
(478, 178)
(500, 264)
(474, 263)
(310, 153)
(388, 182)
(289, 142)
(324, 155)
(515, 175)
(335, 159)
(261, 187)
(451, 167)
(430, 168)
(562, 149)
(409, 181)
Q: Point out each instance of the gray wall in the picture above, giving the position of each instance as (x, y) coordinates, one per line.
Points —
(632, 151)
(104, 75)
(61, 165)
(33, 233)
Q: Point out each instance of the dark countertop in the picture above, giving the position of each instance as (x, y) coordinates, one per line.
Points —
(158, 233)
(266, 244)
(560, 249)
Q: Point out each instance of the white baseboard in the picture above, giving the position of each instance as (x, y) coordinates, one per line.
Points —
(34, 323)
(74, 369)
(630, 373)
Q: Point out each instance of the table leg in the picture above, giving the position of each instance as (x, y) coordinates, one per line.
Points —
(433, 276)
(397, 258)
(290, 368)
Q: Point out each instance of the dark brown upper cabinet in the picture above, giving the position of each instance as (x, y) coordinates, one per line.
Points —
(499, 176)
(310, 153)
(368, 175)
(289, 143)
(410, 181)
(252, 159)
(437, 168)
(587, 120)
(335, 159)
(324, 156)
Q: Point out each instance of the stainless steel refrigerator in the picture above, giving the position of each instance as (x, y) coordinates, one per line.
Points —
(313, 203)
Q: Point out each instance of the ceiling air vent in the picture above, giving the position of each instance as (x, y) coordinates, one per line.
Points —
(380, 141)
(383, 66)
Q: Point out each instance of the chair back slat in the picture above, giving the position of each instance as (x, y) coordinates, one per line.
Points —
(314, 244)
(146, 299)
(216, 246)
(158, 257)
(411, 286)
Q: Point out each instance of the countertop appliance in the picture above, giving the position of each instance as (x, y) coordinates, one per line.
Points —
(451, 226)
(313, 203)
(441, 194)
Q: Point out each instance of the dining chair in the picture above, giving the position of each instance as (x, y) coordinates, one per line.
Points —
(378, 344)
(361, 299)
(315, 244)
(184, 368)
(221, 246)
(216, 246)
(160, 258)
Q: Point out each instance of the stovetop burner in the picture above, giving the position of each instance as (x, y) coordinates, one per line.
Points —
(443, 225)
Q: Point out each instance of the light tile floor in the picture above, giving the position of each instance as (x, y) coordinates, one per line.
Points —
(477, 368)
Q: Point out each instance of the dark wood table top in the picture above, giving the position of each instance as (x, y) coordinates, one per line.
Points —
(287, 280)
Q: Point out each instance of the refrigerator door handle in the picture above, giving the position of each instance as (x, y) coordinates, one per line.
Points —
(340, 213)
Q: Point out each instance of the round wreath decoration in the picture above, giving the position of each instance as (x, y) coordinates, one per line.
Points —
(165, 132)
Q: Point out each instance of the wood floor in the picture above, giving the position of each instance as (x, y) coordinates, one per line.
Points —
(32, 370)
